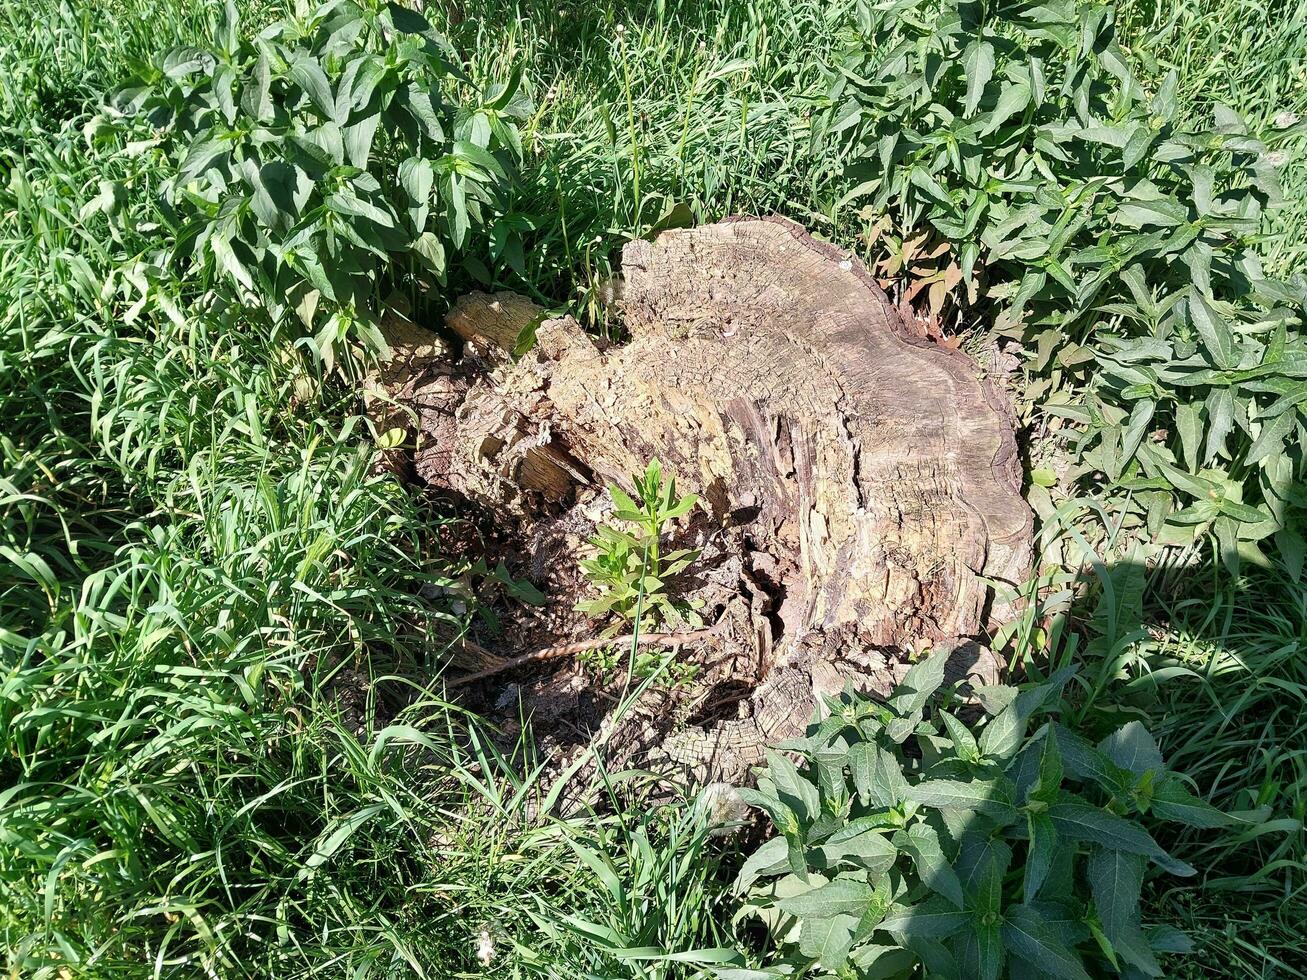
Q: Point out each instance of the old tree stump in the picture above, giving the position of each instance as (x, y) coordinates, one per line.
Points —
(858, 484)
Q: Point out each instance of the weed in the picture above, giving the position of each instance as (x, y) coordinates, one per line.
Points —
(305, 160)
(198, 563)
(1116, 241)
(630, 570)
(969, 854)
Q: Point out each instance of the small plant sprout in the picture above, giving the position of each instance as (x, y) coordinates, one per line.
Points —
(629, 570)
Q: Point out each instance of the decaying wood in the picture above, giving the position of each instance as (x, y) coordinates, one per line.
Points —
(865, 480)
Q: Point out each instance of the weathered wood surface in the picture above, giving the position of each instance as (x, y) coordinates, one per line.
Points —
(865, 480)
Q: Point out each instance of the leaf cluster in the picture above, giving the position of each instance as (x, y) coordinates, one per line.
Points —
(1116, 241)
(305, 160)
(907, 838)
(629, 570)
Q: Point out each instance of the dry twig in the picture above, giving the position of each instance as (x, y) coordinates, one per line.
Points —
(560, 650)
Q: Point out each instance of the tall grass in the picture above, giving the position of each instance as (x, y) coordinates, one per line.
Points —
(708, 104)
(1235, 721)
(200, 571)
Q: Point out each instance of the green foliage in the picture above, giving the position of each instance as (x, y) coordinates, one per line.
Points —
(652, 903)
(1115, 237)
(908, 837)
(306, 160)
(629, 570)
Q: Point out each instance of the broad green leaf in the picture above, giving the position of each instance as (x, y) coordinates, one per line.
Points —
(981, 866)
(1164, 213)
(869, 849)
(1082, 821)
(832, 786)
(1064, 917)
(978, 63)
(923, 679)
(1013, 98)
(980, 951)
(887, 961)
(877, 776)
(768, 859)
(421, 104)
(309, 76)
(935, 918)
(1115, 879)
(428, 248)
(200, 155)
(1173, 801)
(1218, 340)
(828, 939)
(1132, 747)
(983, 796)
(1137, 147)
(1136, 428)
(623, 502)
(256, 99)
(1220, 422)
(1026, 936)
(1188, 421)
(281, 190)
(1271, 439)
(781, 815)
(937, 960)
(1168, 939)
(417, 178)
(795, 790)
(1003, 736)
(964, 743)
(921, 843)
(1085, 762)
(226, 260)
(344, 202)
(469, 153)
(456, 209)
(932, 188)
(358, 137)
(1050, 772)
(843, 896)
(1131, 946)
(1039, 859)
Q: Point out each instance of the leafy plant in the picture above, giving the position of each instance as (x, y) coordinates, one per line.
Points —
(630, 570)
(305, 159)
(1114, 239)
(908, 837)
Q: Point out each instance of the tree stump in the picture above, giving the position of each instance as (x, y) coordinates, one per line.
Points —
(859, 485)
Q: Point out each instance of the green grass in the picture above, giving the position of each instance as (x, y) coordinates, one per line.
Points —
(643, 107)
(1235, 722)
(220, 744)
